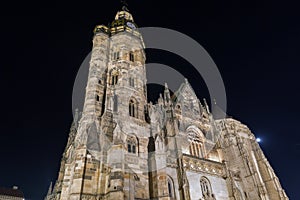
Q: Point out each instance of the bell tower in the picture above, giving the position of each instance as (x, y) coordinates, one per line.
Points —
(126, 74)
(107, 152)
(124, 120)
(116, 152)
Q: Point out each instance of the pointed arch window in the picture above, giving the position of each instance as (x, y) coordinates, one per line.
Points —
(132, 145)
(170, 186)
(131, 56)
(131, 82)
(196, 147)
(206, 189)
(116, 55)
(114, 77)
(133, 108)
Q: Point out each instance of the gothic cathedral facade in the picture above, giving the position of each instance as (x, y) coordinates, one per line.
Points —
(122, 147)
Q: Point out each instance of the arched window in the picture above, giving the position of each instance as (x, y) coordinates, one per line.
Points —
(206, 189)
(131, 82)
(97, 98)
(131, 56)
(114, 77)
(170, 188)
(133, 108)
(196, 144)
(131, 144)
(116, 55)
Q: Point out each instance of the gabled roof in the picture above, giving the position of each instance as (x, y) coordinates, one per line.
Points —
(185, 88)
(11, 192)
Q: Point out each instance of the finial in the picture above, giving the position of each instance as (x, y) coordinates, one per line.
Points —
(160, 99)
(124, 2)
(166, 86)
(186, 80)
(125, 5)
(206, 105)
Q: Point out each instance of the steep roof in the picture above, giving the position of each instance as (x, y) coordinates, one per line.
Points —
(184, 89)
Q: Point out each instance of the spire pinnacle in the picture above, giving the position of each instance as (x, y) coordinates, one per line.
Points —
(166, 86)
(50, 189)
(125, 5)
(206, 105)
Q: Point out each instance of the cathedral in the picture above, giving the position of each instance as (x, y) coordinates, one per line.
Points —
(121, 147)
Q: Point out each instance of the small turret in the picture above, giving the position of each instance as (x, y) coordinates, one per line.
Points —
(101, 29)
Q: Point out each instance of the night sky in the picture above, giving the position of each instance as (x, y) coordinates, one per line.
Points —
(255, 45)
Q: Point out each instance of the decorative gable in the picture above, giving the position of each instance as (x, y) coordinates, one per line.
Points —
(186, 102)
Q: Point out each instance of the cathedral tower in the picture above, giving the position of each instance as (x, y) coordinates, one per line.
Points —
(122, 148)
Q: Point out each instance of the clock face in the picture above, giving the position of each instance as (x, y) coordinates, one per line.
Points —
(131, 25)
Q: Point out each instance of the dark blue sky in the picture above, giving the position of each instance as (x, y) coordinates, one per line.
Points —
(254, 43)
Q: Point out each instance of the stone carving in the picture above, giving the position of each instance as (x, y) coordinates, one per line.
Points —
(120, 149)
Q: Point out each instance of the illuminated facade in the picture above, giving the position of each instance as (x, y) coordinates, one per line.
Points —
(122, 147)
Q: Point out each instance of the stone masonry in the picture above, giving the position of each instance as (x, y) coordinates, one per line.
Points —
(122, 147)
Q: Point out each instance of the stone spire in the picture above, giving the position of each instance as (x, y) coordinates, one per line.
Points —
(50, 189)
(167, 95)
